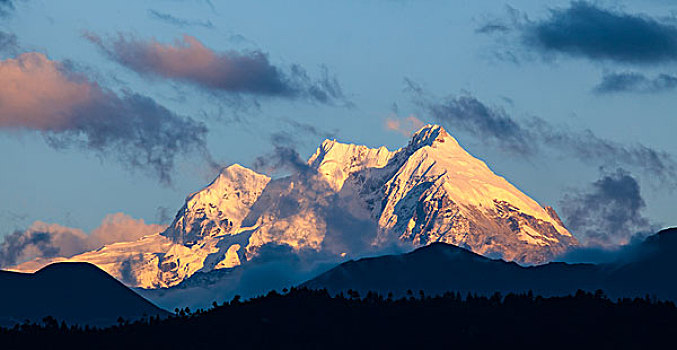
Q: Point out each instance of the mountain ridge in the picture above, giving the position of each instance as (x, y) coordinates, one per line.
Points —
(439, 268)
(354, 200)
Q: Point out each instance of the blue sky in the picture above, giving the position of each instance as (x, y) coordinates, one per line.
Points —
(477, 49)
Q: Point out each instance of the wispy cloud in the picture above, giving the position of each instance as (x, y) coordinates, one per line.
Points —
(71, 110)
(635, 82)
(9, 43)
(285, 140)
(190, 61)
(43, 240)
(526, 138)
(283, 157)
(179, 22)
(5, 7)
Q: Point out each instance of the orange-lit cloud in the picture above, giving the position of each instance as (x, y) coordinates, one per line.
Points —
(36, 94)
(71, 110)
(405, 126)
(120, 227)
(44, 240)
(189, 60)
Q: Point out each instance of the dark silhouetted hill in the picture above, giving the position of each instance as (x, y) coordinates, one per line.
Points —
(439, 268)
(73, 292)
(652, 269)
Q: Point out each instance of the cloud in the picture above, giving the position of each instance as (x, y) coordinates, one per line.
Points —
(120, 227)
(469, 114)
(635, 82)
(532, 136)
(72, 111)
(505, 24)
(5, 7)
(282, 157)
(586, 30)
(608, 213)
(179, 22)
(43, 240)
(405, 126)
(274, 268)
(294, 132)
(247, 72)
(9, 43)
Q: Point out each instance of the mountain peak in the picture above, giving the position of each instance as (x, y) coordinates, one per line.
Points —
(235, 169)
(335, 161)
(433, 135)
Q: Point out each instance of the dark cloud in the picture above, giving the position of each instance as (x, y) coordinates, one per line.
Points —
(136, 130)
(297, 132)
(9, 43)
(5, 7)
(592, 149)
(283, 158)
(635, 82)
(493, 28)
(584, 29)
(72, 111)
(608, 213)
(44, 241)
(529, 137)
(40, 241)
(471, 115)
(589, 31)
(179, 22)
(247, 72)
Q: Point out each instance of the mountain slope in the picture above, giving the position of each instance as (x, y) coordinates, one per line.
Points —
(439, 268)
(435, 191)
(351, 201)
(74, 292)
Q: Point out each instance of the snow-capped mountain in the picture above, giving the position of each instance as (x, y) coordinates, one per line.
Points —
(351, 200)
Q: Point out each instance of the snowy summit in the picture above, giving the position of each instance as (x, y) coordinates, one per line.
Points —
(355, 200)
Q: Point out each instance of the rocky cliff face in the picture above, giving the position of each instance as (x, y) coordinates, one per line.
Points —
(353, 200)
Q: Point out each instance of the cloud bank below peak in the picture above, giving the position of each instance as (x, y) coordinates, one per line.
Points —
(189, 60)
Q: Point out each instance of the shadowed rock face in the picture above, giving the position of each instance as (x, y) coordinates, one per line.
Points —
(78, 293)
(440, 268)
